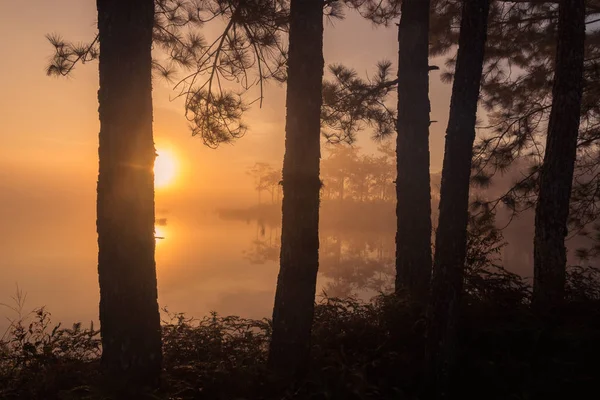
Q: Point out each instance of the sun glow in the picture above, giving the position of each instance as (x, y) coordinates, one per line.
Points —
(165, 169)
(159, 233)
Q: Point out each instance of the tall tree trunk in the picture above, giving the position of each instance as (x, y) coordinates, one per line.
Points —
(413, 209)
(556, 176)
(296, 283)
(129, 315)
(451, 235)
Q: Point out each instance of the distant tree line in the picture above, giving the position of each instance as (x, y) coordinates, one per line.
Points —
(347, 175)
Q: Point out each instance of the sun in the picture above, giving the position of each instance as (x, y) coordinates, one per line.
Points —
(165, 169)
(159, 233)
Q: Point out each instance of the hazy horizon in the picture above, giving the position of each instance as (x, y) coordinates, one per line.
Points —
(49, 159)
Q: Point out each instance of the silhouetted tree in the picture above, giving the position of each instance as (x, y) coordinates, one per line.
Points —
(129, 316)
(451, 235)
(516, 92)
(296, 283)
(556, 175)
(130, 321)
(352, 104)
(413, 209)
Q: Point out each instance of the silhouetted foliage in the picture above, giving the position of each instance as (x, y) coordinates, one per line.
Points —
(38, 358)
(359, 350)
(582, 284)
(485, 278)
(516, 96)
(517, 88)
(248, 50)
(351, 104)
(215, 357)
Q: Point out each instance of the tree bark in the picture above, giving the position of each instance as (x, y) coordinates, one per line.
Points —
(413, 209)
(451, 235)
(129, 315)
(296, 284)
(556, 176)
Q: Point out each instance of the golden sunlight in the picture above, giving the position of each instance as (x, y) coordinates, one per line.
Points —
(165, 168)
(159, 233)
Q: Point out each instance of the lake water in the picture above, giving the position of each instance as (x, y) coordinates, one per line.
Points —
(203, 264)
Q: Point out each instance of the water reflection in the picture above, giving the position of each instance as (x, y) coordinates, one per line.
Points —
(354, 263)
(351, 263)
(204, 263)
(225, 262)
(264, 247)
(200, 267)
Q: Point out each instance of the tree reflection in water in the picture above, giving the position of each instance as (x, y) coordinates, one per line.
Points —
(352, 263)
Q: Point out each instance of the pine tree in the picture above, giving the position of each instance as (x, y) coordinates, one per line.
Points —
(296, 283)
(516, 92)
(413, 192)
(556, 175)
(351, 104)
(130, 321)
(451, 235)
(129, 316)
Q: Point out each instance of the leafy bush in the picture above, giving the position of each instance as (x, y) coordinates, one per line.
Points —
(215, 357)
(37, 358)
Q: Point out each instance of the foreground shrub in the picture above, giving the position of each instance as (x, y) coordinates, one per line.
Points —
(361, 350)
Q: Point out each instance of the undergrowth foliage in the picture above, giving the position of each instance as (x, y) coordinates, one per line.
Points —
(215, 357)
(360, 350)
(39, 359)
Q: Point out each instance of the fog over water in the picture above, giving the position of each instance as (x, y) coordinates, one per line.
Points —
(206, 261)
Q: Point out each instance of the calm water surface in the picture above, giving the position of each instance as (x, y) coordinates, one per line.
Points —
(203, 265)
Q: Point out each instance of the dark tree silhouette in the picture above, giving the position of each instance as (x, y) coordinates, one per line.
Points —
(296, 283)
(413, 209)
(352, 103)
(556, 175)
(129, 315)
(516, 92)
(451, 234)
(125, 221)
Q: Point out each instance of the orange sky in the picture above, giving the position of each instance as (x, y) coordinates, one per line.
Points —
(49, 126)
(48, 144)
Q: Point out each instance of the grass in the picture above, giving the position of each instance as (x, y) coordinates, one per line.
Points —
(360, 350)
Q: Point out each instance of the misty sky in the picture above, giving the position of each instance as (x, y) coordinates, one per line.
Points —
(48, 152)
(48, 129)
